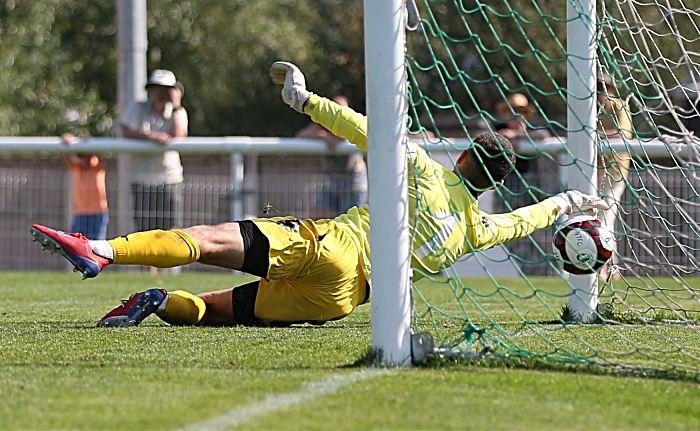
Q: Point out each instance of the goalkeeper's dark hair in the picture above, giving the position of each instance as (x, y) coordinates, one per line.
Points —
(494, 155)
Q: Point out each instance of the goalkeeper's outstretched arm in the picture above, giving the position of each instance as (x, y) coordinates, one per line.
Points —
(342, 121)
(524, 221)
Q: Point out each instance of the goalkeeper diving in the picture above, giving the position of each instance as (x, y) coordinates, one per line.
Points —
(315, 271)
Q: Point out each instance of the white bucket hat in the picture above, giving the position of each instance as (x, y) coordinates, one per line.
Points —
(164, 78)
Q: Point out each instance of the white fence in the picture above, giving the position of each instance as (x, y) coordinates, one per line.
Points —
(227, 178)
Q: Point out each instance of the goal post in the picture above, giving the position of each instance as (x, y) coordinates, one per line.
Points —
(388, 193)
(466, 61)
(581, 121)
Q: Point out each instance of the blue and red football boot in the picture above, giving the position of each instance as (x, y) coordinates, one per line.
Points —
(73, 246)
(132, 311)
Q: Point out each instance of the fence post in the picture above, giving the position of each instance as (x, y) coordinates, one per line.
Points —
(237, 177)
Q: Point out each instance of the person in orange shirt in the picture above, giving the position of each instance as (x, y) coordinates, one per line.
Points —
(89, 193)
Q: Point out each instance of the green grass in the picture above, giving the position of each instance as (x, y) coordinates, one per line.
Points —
(527, 318)
(57, 371)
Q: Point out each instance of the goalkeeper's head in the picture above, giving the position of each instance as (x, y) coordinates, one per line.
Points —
(487, 162)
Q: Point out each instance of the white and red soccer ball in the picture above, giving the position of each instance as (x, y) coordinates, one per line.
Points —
(582, 245)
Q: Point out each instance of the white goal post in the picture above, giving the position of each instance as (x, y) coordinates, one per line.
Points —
(582, 119)
(386, 110)
(388, 193)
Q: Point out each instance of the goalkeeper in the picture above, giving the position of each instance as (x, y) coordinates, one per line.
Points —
(318, 270)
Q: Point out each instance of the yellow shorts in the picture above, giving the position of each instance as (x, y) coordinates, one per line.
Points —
(314, 273)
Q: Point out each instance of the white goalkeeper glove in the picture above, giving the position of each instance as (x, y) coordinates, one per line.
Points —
(294, 92)
(574, 201)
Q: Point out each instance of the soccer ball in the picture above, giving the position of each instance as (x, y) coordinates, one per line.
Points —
(582, 245)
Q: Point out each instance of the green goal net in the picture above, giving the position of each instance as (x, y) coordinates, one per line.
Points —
(476, 66)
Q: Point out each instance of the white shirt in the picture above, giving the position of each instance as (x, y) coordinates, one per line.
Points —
(163, 168)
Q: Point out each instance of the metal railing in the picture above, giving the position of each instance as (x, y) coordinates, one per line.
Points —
(230, 178)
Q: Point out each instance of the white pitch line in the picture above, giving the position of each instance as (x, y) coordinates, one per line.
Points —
(272, 403)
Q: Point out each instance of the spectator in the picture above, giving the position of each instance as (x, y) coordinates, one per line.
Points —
(686, 99)
(614, 121)
(514, 116)
(530, 176)
(514, 122)
(88, 194)
(156, 178)
(345, 177)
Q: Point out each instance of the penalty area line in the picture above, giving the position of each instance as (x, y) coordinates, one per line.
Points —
(273, 403)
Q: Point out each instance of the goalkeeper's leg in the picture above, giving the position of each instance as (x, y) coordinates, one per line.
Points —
(266, 303)
(221, 245)
(226, 307)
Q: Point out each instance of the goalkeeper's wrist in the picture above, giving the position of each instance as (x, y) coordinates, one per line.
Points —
(306, 102)
(298, 98)
(311, 102)
(562, 203)
(304, 98)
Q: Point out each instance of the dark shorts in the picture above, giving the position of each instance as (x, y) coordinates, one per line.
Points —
(157, 206)
(93, 226)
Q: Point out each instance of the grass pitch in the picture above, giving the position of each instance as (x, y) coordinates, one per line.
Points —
(58, 371)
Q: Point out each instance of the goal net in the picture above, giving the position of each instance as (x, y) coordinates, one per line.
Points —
(476, 66)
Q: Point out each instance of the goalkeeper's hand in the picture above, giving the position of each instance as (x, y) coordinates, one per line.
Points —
(574, 201)
(294, 92)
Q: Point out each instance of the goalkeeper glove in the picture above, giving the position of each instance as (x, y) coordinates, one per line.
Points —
(575, 201)
(294, 92)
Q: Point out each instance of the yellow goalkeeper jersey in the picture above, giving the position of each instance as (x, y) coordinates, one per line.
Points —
(444, 217)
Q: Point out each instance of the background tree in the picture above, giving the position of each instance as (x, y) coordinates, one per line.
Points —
(42, 91)
(222, 52)
(58, 58)
(60, 61)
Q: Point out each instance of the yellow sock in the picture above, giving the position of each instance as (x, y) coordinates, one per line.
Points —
(159, 248)
(183, 308)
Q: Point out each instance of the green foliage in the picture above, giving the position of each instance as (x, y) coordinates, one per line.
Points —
(485, 51)
(59, 59)
(469, 55)
(59, 63)
(41, 92)
(88, 32)
(222, 52)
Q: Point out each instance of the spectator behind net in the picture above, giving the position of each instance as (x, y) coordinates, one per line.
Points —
(614, 121)
(345, 177)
